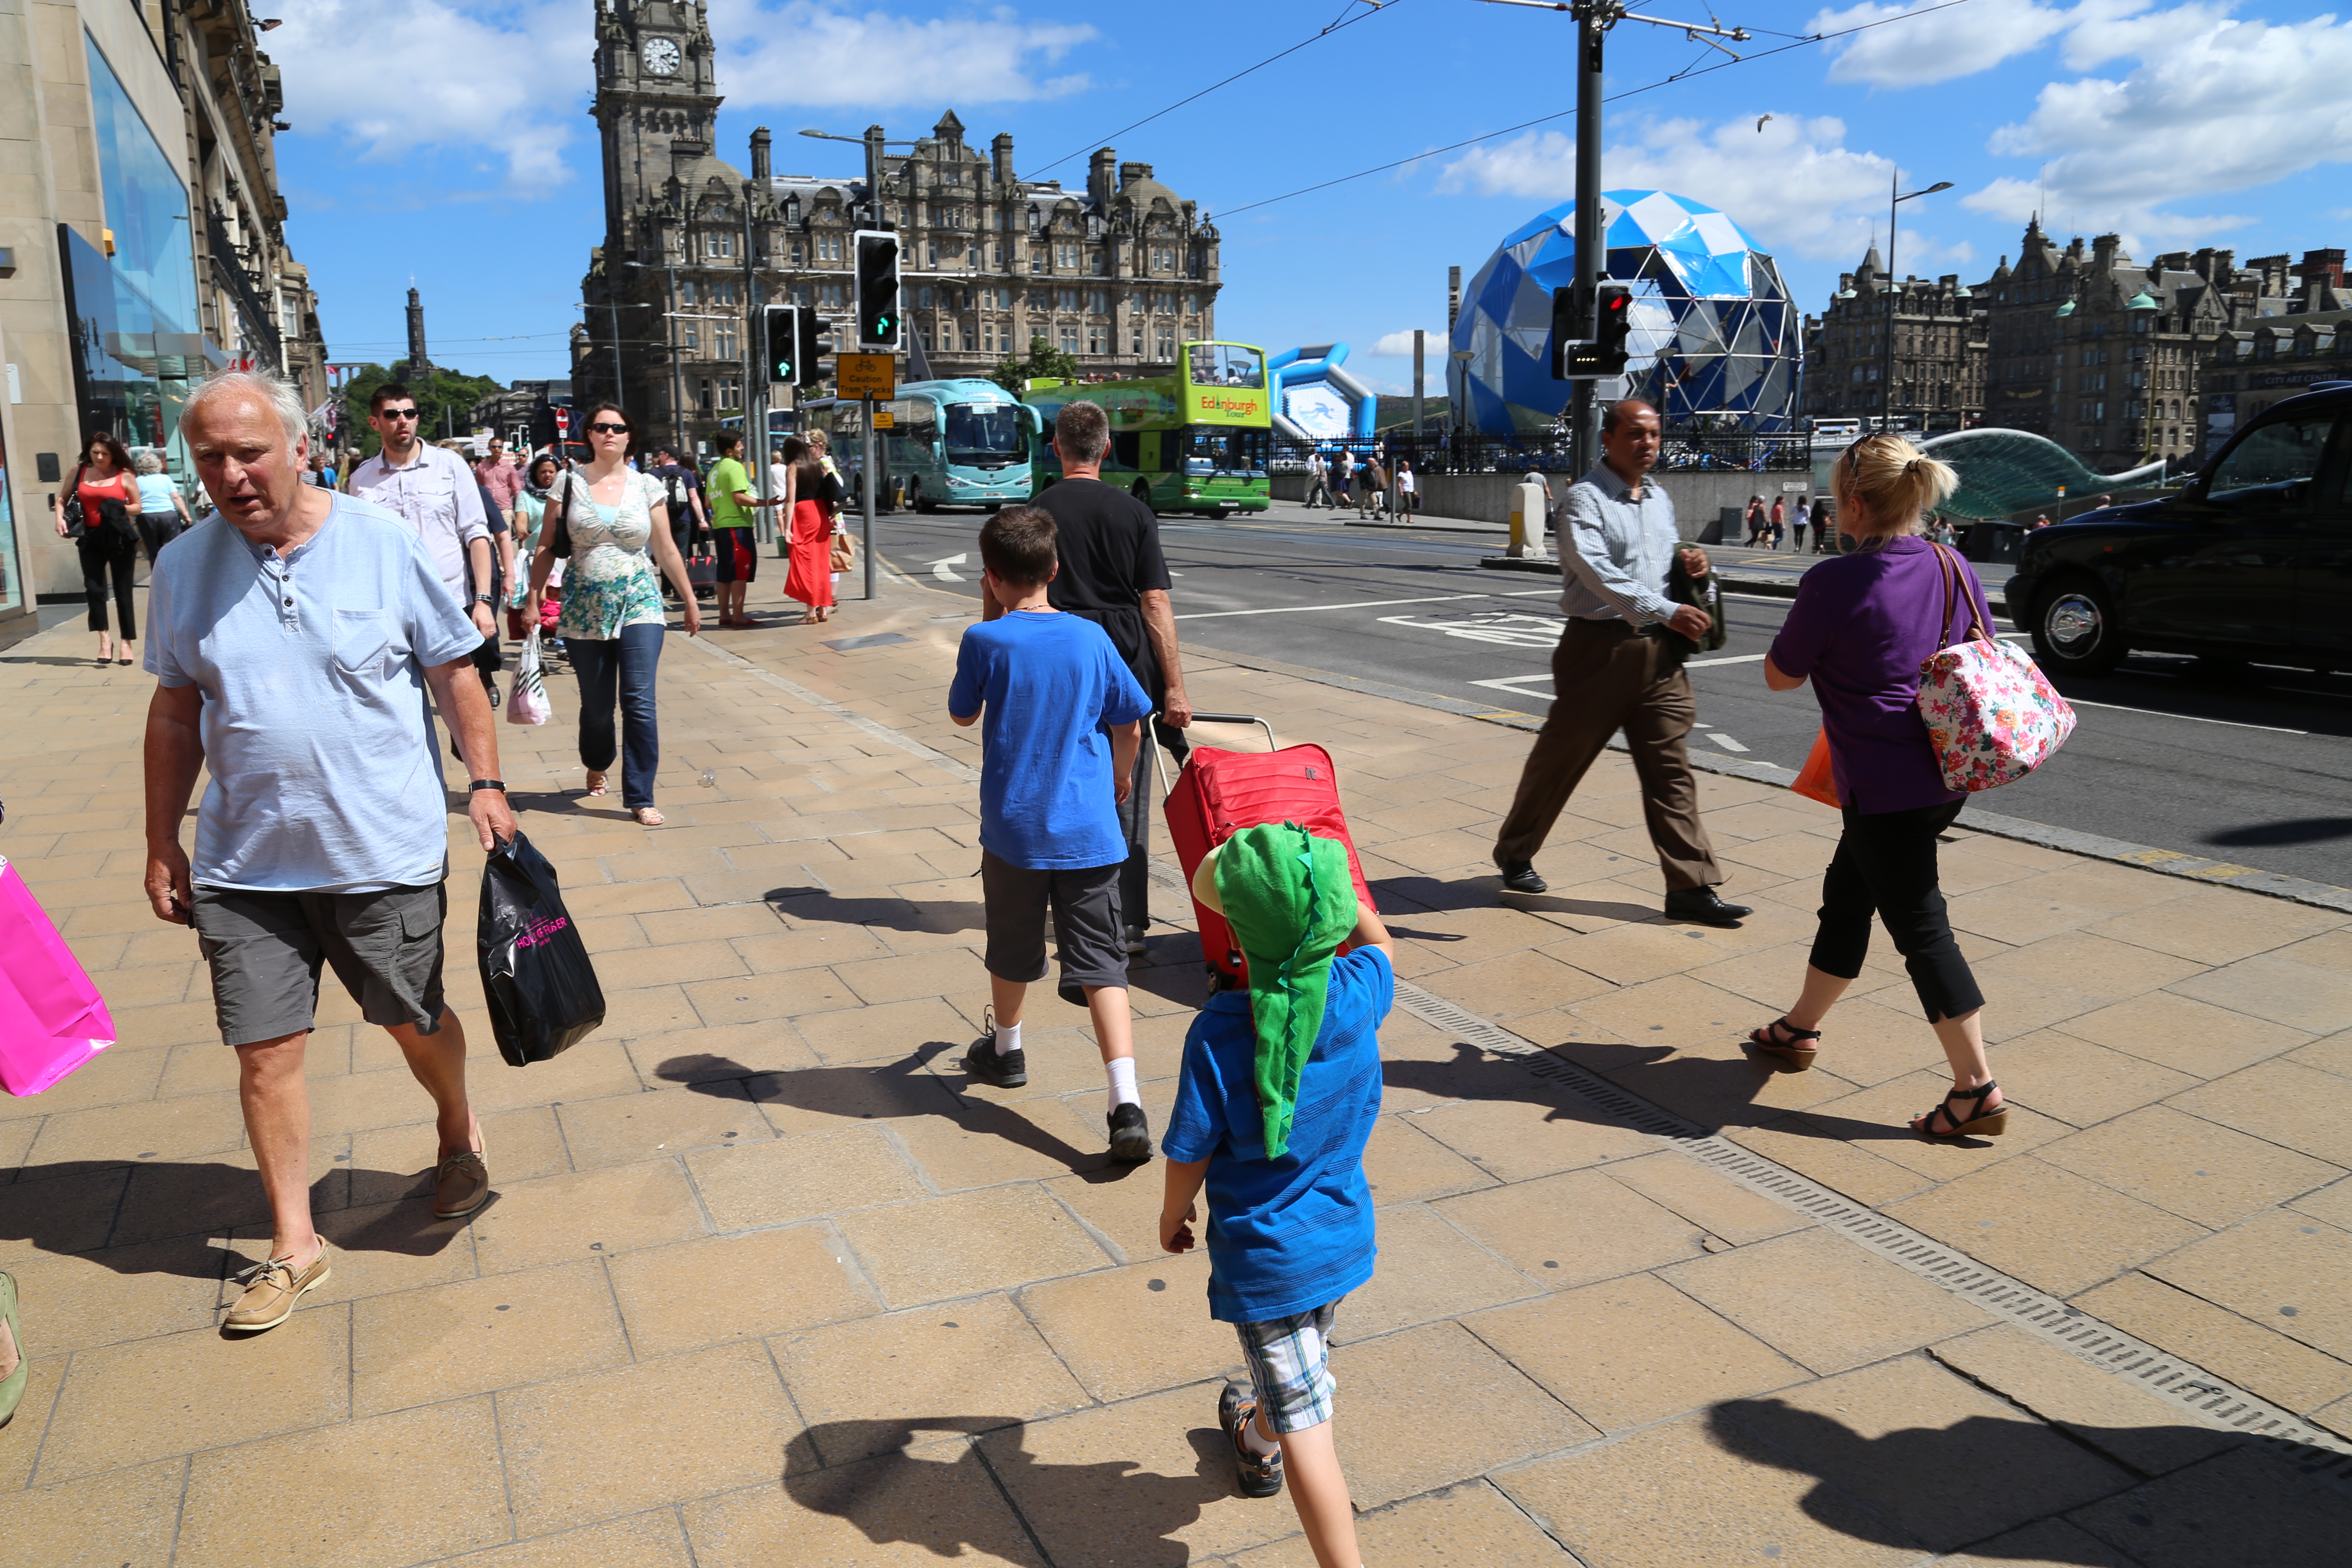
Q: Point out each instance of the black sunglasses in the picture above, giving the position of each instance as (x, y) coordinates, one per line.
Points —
(401, 414)
(608, 428)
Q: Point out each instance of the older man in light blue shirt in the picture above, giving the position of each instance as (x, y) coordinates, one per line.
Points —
(292, 634)
(1615, 668)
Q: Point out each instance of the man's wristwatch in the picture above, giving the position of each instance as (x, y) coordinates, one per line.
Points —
(498, 785)
(484, 599)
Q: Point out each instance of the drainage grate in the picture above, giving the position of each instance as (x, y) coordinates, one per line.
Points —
(2182, 1384)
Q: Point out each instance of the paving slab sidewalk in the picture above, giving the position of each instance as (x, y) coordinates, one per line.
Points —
(765, 1281)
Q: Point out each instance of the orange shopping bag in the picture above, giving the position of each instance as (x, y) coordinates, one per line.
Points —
(1815, 780)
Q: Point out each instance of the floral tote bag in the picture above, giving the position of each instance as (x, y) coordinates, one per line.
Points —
(1993, 716)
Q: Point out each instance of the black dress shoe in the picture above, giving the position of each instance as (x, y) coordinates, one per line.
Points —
(1520, 877)
(1700, 904)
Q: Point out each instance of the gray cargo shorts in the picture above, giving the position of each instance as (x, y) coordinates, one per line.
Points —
(1087, 927)
(266, 949)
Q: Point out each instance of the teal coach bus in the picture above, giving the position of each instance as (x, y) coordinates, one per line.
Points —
(963, 443)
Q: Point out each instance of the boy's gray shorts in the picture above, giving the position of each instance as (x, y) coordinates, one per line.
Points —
(1086, 925)
(266, 949)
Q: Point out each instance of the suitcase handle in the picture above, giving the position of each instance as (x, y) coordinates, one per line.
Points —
(1199, 718)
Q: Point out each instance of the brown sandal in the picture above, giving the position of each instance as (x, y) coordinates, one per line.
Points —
(1979, 1122)
(1793, 1057)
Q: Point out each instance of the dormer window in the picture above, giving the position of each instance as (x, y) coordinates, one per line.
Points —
(792, 210)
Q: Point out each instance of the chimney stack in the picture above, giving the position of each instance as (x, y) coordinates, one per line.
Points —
(1001, 158)
(760, 146)
(1099, 175)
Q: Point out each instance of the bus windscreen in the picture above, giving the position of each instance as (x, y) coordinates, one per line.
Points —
(982, 432)
(1227, 365)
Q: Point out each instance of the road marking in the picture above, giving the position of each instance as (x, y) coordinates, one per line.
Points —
(2192, 718)
(1728, 658)
(1501, 627)
(1297, 609)
(940, 568)
(1515, 684)
(1726, 741)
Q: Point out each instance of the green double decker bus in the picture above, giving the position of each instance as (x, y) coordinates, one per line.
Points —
(1196, 440)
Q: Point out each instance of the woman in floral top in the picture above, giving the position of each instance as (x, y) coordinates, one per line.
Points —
(612, 621)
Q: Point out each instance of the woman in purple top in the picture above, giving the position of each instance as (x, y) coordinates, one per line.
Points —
(1859, 630)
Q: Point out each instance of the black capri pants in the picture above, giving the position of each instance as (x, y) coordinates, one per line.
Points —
(1886, 864)
(103, 550)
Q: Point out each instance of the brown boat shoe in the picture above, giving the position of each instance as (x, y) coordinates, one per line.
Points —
(272, 1287)
(461, 1183)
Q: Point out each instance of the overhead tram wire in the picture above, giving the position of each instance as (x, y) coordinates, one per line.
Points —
(1805, 41)
(1379, 7)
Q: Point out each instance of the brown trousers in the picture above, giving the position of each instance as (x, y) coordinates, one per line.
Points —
(1606, 676)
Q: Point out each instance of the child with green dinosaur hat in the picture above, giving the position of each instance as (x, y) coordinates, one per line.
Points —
(1278, 1092)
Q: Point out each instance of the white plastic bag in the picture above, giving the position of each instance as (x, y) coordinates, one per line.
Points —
(527, 702)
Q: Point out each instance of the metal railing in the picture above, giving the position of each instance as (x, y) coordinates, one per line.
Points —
(1450, 452)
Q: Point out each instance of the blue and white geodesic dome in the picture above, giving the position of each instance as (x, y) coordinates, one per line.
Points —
(1714, 332)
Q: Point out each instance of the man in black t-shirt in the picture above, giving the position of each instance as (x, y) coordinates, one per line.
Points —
(1113, 574)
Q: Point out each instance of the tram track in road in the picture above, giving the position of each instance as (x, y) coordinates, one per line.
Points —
(2164, 755)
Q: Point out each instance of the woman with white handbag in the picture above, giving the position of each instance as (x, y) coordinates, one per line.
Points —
(1920, 706)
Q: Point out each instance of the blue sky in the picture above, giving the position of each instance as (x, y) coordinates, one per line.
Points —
(450, 144)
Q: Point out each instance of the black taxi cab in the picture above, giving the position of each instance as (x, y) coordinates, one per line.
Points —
(2252, 562)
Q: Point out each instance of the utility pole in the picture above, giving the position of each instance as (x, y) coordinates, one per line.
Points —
(1592, 23)
(1894, 299)
(755, 380)
(1418, 349)
(1593, 20)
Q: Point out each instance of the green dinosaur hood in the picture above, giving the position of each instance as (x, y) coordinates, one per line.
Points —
(1289, 898)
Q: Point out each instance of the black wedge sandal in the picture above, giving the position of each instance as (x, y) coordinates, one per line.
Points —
(1788, 1053)
(1980, 1124)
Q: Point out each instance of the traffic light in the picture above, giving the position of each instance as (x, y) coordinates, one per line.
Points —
(1589, 342)
(877, 291)
(812, 345)
(782, 337)
(1612, 325)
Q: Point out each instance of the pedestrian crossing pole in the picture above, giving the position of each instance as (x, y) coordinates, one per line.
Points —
(866, 486)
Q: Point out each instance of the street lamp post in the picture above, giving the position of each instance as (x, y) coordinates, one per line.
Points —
(1886, 351)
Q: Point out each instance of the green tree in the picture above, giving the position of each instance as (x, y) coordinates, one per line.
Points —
(444, 398)
(1044, 362)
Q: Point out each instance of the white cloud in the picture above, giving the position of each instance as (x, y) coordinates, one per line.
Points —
(507, 80)
(510, 79)
(2212, 105)
(1795, 185)
(1399, 345)
(1938, 46)
(813, 54)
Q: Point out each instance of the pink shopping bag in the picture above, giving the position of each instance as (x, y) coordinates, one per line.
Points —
(52, 1018)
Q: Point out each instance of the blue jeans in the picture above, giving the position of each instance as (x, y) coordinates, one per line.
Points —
(628, 662)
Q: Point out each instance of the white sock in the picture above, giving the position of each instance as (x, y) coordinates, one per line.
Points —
(1253, 1442)
(1008, 1039)
(1121, 1071)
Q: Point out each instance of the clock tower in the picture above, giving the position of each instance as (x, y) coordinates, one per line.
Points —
(657, 103)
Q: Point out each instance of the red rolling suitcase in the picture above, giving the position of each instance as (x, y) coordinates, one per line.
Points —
(1219, 793)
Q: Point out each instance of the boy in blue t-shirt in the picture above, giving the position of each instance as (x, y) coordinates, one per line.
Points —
(1277, 1096)
(1064, 721)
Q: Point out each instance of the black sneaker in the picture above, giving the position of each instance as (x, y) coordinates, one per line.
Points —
(1131, 1135)
(982, 1064)
(1257, 1477)
(1520, 877)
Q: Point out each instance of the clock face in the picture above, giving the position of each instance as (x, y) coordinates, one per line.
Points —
(661, 56)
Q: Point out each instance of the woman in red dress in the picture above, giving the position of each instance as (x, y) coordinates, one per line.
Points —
(816, 496)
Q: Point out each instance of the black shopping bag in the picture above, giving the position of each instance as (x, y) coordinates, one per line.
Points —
(536, 977)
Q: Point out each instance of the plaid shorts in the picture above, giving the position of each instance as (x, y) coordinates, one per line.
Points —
(1290, 1367)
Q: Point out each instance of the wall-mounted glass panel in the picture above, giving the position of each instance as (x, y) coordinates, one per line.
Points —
(12, 590)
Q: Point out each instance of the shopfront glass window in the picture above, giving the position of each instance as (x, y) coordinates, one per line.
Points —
(137, 342)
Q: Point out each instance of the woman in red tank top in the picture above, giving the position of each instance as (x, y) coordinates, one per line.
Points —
(109, 541)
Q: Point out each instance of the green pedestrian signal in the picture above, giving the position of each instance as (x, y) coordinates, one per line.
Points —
(877, 290)
(783, 335)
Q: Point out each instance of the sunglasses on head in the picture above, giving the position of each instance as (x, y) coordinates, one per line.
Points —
(608, 428)
(401, 414)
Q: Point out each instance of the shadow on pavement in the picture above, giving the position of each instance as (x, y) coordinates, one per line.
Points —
(942, 1497)
(933, 917)
(2179, 1496)
(104, 1209)
(2300, 830)
(1713, 1091)
(882, 1091)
